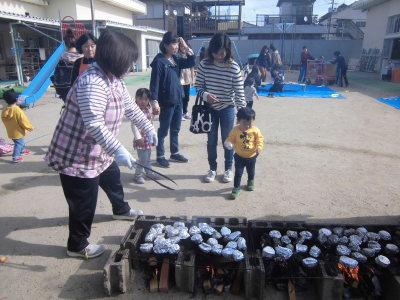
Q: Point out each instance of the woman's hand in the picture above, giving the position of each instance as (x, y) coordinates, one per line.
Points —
(156, 108)
(183, 44)
(211, 98)
(138, 143)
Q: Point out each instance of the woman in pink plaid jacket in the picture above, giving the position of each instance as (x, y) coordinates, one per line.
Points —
(85, 149)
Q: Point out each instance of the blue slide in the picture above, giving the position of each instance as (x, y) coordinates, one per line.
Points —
(41, 81)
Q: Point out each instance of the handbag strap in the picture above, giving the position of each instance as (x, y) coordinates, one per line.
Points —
(199, 99)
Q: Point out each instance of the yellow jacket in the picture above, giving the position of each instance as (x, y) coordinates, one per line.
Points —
(246, 143)
(15, 121)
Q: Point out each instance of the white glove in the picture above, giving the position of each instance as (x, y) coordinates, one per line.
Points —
(152, 137)
(124, 158)
(228, 145)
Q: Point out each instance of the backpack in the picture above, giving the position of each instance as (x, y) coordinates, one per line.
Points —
(61, 78)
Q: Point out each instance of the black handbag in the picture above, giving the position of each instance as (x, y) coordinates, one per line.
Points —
(201, 117)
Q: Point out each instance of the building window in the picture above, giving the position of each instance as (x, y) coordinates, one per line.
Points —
(394, 24)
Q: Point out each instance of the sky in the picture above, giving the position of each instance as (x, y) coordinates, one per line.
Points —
(254, 7)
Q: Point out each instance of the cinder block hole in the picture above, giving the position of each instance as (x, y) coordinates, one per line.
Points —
(233, 221)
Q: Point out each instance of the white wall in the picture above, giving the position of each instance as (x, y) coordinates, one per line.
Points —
(19, 7)
(350, 14)
(103, 11)
(143, 48)
(377, 19)
(66, 8)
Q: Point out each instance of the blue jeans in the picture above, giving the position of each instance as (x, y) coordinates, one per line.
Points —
(144, 156)
(19, 146)
(170, 118)
(226, 118)
(303, 73)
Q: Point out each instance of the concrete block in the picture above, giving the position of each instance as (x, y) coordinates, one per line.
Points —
(116, 273)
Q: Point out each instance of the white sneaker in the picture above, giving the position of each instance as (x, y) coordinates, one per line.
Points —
(228, 176)
(210, 176)
(130, 215)
(91, 251)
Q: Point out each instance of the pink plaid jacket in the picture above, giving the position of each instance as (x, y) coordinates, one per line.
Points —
(85, 140)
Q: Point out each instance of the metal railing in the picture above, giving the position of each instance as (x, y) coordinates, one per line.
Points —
(263, 20)
(210, 24)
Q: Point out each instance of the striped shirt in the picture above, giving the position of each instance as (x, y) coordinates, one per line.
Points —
(224, 81)
(85, 140)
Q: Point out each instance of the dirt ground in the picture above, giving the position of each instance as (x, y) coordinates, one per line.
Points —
(326, 160)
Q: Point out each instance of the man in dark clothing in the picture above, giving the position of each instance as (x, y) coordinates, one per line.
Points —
(341, 69)
(305, 56)
(167, 93)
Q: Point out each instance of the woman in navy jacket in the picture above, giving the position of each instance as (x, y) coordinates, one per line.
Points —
(167, 93)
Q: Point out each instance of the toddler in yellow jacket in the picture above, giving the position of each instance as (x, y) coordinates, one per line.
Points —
(17, 125)
(247, 141)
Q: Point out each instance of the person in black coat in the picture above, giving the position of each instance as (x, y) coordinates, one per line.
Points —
(341, 69)
(86, 45)
(167, 93)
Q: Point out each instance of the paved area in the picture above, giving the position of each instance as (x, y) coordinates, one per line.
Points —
(325, 160)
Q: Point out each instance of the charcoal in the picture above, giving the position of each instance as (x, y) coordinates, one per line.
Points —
(300, 240)
(325, 231)
(301, 248)
(322, 238)
(241, 244)
(361, 231)
(183, 234)
(227, 252)
(292, 234)
(391, 249)
(359, 257)
(285, 240)
(373, 236)
(349, 232)
(310, 262)
(232, 245)
(385, 235)
(179, 225)
(306, 235)
(194, 230)
(283, 252)
(234, 236)
(364, 239)
(338, 231)
(355, 240)
(206, 248)
(217, 249)
(206, 229)
(348, 262)
(382, 261)
(268, 252)
(333, 239)
(212, 241)
(368, 252)
(197, 238)
(315, 251)
(151, 236)
(216, 235)
(290, 246)
(237, 255)
(342, 250)
(146, 248)
(275, 234)
(375, 246)
(344, 240)
(225, 231)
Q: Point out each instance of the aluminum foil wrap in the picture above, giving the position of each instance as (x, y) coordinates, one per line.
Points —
(355, 240)
(241, 244)
(227, 252)
(382, 261)
(159, 228)
(333, 239)
(386, 236)
(174, 240)
(146, 248)
(325, 231)
(391, 249)
(225, 231)
(322, 238)
(275, 234)
(216, 235)
(234, 236)
(315, 251)
(350, 231)
(342, 250)
(348, 262)
(232, 245)
(179, 225)
(285, 240)
(306, 235)
(171, 231)
(359, 257)
(290, 246)
(283, 252)
(309, 262)
(268, 252)
(151, 236)
(206, 229)
(361, 231)
(344, 240)
(212, 241)
(338, 231)
(194, 230)
(355, 248)
(301, 248)
(368, 252)
(375, 246)
(237, 255)
(373, 236)
(292, 234)
(206, 248)
(197, 238)
(184, 234)
(217, 249)
(174, 249)
(159, 239)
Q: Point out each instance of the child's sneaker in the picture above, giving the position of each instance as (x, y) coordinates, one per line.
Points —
(210, 176)
(234, 194)
(26, 152)
(250, 185)
(138, 179)
(18, 159)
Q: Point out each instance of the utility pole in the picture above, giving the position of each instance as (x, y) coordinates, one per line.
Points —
(330, 19)
(93, 21)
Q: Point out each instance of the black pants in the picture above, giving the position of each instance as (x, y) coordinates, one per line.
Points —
(81, 196)
(249, 104)
(186, 97)
(240, 164)
(342, 75)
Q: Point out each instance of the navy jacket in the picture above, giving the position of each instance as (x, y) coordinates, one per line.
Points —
(165, 85)
(341, 62)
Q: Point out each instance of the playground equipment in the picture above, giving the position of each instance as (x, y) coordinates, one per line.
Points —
(320, 72)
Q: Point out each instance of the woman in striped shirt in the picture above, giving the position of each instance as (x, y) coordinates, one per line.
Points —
(219, 81)
(85, 149)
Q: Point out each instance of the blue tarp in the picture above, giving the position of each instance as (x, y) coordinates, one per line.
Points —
(392, 101)
(41, 81)
(297, 91)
